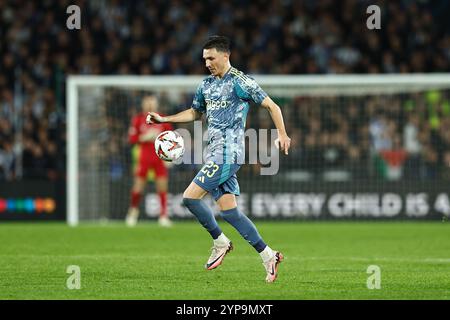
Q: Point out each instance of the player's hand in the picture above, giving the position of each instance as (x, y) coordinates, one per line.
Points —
(149, 135)
(153, 117)
(283, 142)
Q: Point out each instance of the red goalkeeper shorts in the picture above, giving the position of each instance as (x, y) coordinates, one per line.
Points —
(151, 163)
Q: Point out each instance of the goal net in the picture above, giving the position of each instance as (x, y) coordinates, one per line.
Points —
(363, 146)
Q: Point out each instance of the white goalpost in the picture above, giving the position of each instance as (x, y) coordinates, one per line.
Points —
(99, 109)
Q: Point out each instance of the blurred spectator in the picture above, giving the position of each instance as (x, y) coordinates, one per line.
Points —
(413, 146)
(379, 132)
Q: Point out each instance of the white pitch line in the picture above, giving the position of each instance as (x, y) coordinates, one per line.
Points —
(418, 260)
(289, 257)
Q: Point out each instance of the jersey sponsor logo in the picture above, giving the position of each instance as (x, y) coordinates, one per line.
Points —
(216, 104)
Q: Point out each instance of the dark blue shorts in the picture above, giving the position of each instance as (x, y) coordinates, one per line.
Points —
(218, 179)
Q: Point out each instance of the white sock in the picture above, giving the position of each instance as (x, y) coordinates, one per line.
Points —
(221, 240)
(267, 254)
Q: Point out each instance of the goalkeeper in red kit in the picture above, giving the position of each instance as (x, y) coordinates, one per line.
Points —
(144, 136)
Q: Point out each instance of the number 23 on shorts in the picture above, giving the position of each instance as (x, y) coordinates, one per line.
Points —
(210, 169)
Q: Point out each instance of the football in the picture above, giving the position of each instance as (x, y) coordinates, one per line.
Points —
(169, 146)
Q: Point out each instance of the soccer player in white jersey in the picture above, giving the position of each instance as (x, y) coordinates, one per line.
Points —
(224, 97)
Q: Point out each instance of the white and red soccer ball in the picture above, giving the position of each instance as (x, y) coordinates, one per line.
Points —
(169, 146)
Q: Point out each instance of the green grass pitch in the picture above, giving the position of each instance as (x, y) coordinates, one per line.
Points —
(323, 260)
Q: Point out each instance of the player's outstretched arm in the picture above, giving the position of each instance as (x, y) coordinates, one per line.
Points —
(183, 116)
(283, 142)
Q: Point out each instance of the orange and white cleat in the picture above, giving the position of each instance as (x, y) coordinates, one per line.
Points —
(271, 266)
(217, 255)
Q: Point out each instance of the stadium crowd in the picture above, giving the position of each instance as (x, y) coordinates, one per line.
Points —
(283, 37)
(384, 136)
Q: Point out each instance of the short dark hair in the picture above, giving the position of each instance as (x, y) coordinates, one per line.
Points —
(221, 43)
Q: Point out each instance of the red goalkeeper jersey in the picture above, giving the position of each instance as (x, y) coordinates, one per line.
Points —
(138, 128)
